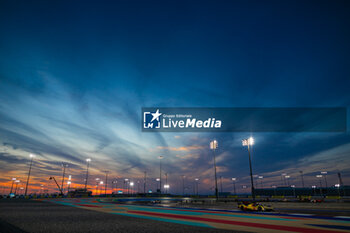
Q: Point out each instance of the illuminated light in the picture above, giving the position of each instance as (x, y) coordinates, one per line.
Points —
(287, 177)
(160, 157)
(88, 160)
(248, 141)
(131, 183)
(13, 178)
(157, 179)
(233, 179)
(319, 176)
(293, 186)
(101, 182)
(213, 144)
(196, 179)
(313, 186)
(166, 186)
(31, 155)
(260, 177)
(337, 185)
(324, 173)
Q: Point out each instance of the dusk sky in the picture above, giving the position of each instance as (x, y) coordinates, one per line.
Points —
(74, 76)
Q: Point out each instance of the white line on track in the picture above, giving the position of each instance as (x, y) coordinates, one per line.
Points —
(301, 214)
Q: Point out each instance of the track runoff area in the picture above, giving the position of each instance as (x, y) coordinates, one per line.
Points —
(213, 218)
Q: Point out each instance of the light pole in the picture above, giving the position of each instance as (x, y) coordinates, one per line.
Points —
(64, 165)
(249, 142)
(166, 187)
(283, 179)
(234, 186)
(106, 182)
(157, 182)
(261, 181)
(314, 188)
(115, 183)
(197, 179)
(13, 181)
(97, 181)
(160, 174)
(69, 182)
(214, 146)
(126, 181)
(88, 160)
(132, 187)
(287, 179)
(30, 168)
(338, 186)
(320, 177)
(17, 181)
(302, 178)
(325, 177)
(68, 185)
(101, 183)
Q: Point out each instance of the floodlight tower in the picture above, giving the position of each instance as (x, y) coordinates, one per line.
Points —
(249, 142)
(214, 146)
(30, 169)
(88, 160)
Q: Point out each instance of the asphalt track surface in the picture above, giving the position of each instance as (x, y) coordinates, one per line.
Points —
(99, 215)
(19, 216)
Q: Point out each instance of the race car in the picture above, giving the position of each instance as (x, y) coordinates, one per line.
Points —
(253, 206)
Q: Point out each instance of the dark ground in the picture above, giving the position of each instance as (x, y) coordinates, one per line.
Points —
(35, 216)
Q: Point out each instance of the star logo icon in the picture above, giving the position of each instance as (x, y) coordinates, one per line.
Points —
(156, 115)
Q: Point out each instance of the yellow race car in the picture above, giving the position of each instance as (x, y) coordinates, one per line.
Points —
(253, 206)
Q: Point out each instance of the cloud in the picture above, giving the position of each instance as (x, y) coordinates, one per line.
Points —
(181, 148)
(188, 156)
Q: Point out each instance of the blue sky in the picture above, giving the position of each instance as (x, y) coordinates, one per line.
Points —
(74, 76)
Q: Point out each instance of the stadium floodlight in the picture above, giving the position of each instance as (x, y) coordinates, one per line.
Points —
(31, 156)
(234, 185)
(88, 160)
(213, 146)
(248, 143)
(325, 177)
